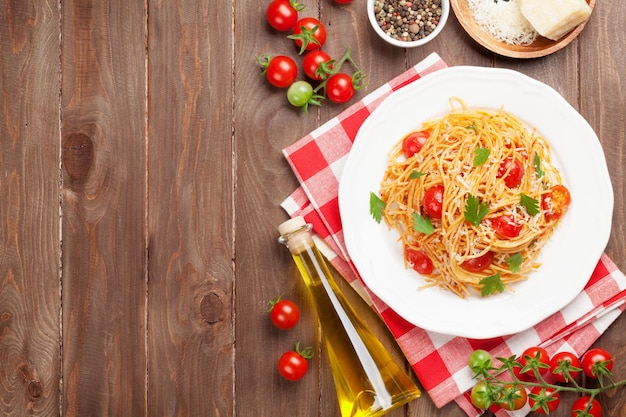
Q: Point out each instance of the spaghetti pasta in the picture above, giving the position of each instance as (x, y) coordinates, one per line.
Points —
(494, 183)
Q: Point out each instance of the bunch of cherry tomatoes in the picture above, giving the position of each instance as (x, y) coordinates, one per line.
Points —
(528, 383)
(309, 35)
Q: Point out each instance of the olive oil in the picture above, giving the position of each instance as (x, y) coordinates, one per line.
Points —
(367, 379)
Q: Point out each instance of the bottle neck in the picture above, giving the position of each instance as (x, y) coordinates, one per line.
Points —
(298, 240)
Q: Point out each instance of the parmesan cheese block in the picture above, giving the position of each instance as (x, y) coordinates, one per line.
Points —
(554, 18)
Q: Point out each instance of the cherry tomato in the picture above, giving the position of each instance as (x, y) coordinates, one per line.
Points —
(433, 201)
(580, 405)
(556, 202)
(284, 314)
(515, 170)
(414, 142)
(478, 264)
(517, 371)
(596, 362)
(480, 360)
(339, 88)
(308, 34)
(300, 94)
(506, 226)
(281, 71)
(293, 365)
(480, 395)
(535, 355)
(562, 359)
(317, 64)
(282, 15)
(343, 1)
(546, 400)
(419, 260)
(514, 399)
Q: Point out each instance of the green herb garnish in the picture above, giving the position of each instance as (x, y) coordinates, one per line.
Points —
(480, 156)
(530, 204)
(422, 224)
(377, 206)
(491, 284)
(537, 162)
(473, 126)
(416, 174)
(475, 211)
(514, 262)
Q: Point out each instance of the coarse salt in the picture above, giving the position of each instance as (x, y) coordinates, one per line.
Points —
(503, 20)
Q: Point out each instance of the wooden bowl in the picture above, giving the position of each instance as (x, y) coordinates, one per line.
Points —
(540, 47)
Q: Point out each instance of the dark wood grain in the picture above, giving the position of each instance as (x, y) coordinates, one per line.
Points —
(141, 177)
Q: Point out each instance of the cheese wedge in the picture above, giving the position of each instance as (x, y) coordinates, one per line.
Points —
(554, 18)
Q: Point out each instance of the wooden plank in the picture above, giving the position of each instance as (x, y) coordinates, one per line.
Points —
(104, 209)
(29, 214)
(190, 216)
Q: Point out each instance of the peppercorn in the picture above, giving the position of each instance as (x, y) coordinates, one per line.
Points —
(407, 20)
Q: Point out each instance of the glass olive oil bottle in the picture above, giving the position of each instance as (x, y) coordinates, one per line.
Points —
(367, 379)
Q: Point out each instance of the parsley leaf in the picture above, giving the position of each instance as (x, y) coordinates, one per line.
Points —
(530, 204)
(475, 211)
(416, 174)
(422, 224)
(514, 262)
(491, 284)
(480, 156)
(377, 206)
(473, 126)
(537, 162)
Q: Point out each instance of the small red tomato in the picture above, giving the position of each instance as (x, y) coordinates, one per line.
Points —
(515, 398)
(418, 260)
(561, 360)
(596, 362)
(339, 88)
(282, 15)
(506, 226)
(293, 365)
(284, 314)
(581, 404)
(308, 34)
(280, 71)
(512, 170)
(413, 142)
(343, 1)
(478, 264)
(317, 64)
(536, 356)
(433, 201)
(556, 202)
(544, 400)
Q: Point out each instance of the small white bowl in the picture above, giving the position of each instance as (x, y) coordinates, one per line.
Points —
(445, 11)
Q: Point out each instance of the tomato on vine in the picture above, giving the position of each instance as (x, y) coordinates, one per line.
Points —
(282, 15)
(582, 408)
(308, 34)
(293, 365)
(339, 88)
(543, 400)
(534, 358)
(562, 361)
(317, 64)
(597, 363)
(479, 395)
(280, 71)
(284, 314)
(513, 397)
(301, 94)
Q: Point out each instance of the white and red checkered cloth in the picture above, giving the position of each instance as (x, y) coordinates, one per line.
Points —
(439, 361)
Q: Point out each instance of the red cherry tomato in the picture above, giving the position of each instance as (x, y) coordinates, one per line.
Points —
(551, 401)
(343, 1)
(293, 365)
(311, 64)
(580, 405)
(419, 260)
(516, 401)
(282, 15)
(597, 362)
(562, 359)
(433, 201)
(536, 355)
(414, 142)
(308, 34)
(512, 171)
(478, 264)
(506, 226)
(281, 71)
(284, 314)
(556, 202)
(339, 88)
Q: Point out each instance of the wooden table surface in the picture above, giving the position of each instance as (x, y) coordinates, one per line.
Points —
(141, 175)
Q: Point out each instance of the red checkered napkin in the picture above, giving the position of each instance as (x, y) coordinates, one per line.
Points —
(439, 361)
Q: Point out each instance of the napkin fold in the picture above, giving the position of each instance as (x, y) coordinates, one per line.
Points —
(439, 361)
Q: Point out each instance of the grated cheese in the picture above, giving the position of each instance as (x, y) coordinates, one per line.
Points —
(503, 20)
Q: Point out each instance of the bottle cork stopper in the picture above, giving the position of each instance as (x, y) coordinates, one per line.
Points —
(291, 225)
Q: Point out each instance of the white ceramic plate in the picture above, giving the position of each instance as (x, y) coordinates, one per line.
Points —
(568, 258)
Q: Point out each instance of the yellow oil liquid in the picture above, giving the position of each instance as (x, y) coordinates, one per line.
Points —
(368, 381)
